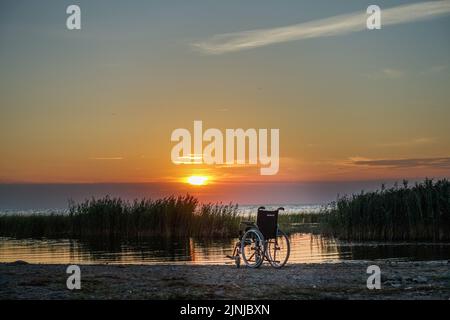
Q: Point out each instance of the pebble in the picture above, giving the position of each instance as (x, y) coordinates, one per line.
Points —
(420, 279)
(18, 263)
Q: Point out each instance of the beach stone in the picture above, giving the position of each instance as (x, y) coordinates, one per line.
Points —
(390, 278)
(219, 292)
(420, 279)
(18, 263)
(397, 277)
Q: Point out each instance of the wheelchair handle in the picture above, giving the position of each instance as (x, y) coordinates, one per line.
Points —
(264, 208)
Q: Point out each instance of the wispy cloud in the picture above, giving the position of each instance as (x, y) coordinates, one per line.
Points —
(386, 73)
(443, 163)
(439, 68)
(190, 159)
(106, 158)
(392, 73)
(436, 69)
(337, 25)
(408, 143)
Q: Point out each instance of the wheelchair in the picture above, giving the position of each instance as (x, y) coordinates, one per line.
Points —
(261, 241)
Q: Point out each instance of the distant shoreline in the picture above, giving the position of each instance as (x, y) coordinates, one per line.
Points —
(40, 196)
(400, 280)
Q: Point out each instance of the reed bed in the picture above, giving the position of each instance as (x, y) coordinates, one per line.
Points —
(400, 213)
(300, 222)
(300, 218)
(113, 217)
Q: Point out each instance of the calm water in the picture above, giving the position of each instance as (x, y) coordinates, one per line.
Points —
(306, 248)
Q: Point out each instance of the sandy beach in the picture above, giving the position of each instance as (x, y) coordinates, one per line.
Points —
(399, 280)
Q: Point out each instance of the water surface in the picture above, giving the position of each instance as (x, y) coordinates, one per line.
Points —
(305, 248)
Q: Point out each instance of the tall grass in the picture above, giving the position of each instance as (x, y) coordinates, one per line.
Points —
(300, 218)
(113, 217)
(420, 212)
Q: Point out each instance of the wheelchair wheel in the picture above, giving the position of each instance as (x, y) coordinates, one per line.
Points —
(252, 248)
(278, 250)
(237, 261)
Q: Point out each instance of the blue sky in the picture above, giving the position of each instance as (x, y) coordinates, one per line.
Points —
(349, 107)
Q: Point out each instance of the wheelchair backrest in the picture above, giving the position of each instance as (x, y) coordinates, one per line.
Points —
(267, 222)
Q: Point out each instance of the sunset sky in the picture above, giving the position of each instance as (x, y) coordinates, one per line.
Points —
(99, 105)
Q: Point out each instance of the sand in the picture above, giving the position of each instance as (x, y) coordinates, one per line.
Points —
(399, 280)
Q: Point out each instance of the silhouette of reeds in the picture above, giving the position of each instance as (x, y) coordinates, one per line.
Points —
(112, 217)
(420, 212)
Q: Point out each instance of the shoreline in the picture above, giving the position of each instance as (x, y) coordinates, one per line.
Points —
(343, 280)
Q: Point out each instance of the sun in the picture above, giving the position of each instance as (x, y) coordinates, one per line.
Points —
(197, 180)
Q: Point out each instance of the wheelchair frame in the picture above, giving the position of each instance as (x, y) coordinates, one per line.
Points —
(265, 229)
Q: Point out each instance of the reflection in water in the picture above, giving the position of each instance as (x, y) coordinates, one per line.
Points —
(305, 248)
